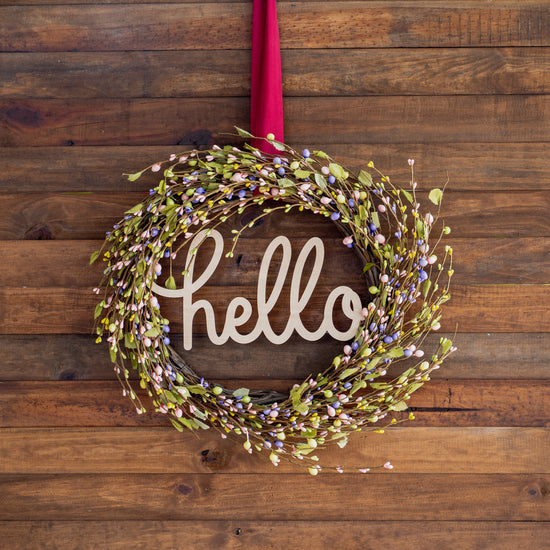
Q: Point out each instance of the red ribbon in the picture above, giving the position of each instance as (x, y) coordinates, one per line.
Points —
(266, 94)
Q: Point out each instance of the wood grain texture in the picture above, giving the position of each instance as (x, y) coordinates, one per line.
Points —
(44, 216)
(466, 166)
(473, 308)
(381, 120)
(487, 356)
(207, 26)
(512, 497)
(307, 73)
(412, 450)
(441, 403)
(83, 2)
(65, 263)
(462, 88)
(232, 535)
(426, 3)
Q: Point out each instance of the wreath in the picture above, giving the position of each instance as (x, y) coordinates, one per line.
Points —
(384, 226)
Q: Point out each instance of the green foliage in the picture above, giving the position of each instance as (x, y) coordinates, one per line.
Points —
(94, 256)
(435, 196)
(354, 391)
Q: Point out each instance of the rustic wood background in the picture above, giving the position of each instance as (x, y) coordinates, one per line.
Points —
(89, 90)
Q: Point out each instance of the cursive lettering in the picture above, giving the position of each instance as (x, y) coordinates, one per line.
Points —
(240, 309)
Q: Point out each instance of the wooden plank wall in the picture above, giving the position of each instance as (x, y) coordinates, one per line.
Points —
(89, 90)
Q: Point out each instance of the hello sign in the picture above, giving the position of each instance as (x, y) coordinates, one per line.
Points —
(240, 309)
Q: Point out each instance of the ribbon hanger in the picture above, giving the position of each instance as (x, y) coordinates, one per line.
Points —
(266, 90)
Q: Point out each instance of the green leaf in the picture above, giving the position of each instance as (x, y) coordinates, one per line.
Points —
(426, 287)
(435, 196)
(241, 392)
(296, 393)
(395, 352)
(183, 392)
(400, 406)
(199, 414)
(134, 177)
(189, 423)
(406, 375)
(98, 310)
(367, 266)
(445, 344)
(141, 266)
(176, 425)
(302, 174)
(374, 361)
(321, 181)
(170, 283)
(358, 386)
(407, 195)
(321, 154)
(342, 442)
(94, 256)
(365, 178)
(379, 386)
(243, 133)
(302, 408)
(202, 425)
(420, 228)
(152, 332)
(374, 289)
(128, 342)
(304, 449)
(112, 353)
(337, 171)
(375, 218)
(285, 182)
(277, 145)
(198, 389)
(347, 372)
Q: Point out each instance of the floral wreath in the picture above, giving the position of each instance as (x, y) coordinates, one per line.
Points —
(202, 189)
